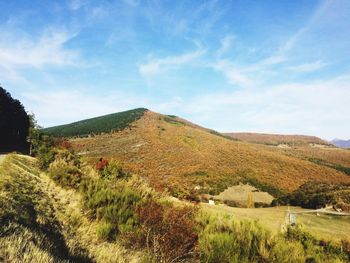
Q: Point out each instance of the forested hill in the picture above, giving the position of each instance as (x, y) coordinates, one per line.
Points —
(103, 124)
(14, 124)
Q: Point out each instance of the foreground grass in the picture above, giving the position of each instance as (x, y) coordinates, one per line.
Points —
(42, 222)
(30, 231)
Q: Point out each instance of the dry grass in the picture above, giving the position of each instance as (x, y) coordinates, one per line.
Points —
(239, 193)
(276, 139)
(57, 211)
(323, 226)
(177, 155)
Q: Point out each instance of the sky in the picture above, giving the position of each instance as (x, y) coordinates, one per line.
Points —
(248, 66)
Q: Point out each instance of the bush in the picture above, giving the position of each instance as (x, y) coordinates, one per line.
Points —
(229, 241)
(65, 175)
(69, 157)
(105, 231)
(46, 155)
(110, 170)
(224, 240)
(114, 204)
(168, 232)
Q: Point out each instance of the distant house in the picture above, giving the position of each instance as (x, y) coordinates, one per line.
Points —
(211, 202)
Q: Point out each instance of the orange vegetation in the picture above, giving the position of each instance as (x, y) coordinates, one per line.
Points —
(276, 139)
(177, 155)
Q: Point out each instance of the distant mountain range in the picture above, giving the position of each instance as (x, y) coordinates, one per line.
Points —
(341, 143)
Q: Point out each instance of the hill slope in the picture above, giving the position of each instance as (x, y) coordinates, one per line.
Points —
(111, 122)
(184, 158)
(276, 139)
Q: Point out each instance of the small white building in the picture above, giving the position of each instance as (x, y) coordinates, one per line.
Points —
(211, 202)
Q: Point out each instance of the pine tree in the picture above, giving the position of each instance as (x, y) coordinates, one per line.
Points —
(14, 124)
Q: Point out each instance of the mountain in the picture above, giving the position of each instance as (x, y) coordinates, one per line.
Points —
(111, 122)
(341, 143)
(277, 139)
(176, 155)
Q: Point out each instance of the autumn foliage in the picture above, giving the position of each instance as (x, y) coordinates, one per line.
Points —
(101, 164)
(168, 232)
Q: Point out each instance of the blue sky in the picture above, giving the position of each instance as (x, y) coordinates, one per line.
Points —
(259, 66)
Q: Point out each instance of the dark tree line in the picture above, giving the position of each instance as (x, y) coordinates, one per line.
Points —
(14, 124)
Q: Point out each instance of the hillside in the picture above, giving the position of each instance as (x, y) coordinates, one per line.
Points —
(108, 123)
(72, 212)
(277, 139)
(186, 159)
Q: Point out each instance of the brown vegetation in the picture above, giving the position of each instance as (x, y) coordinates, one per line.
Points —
(179, 156)
(276, 139)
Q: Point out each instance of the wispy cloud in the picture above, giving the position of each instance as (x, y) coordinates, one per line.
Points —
(317, 14)
(288, 108)
(234, 75)
(225, 44)
(48, 50)
(308, 67)
(157, 65)
(54, 107)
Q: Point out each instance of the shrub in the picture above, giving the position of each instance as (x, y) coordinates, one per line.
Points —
(46, 155)
(101, 164)
(110, 170)
(229, 241)
(105, 231)
(65, 175)
(69, 157)
(114, 204)
(168, 232)
(224, 240)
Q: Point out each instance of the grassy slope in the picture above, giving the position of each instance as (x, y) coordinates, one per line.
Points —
(304, 147)
(41, 222)
(178, 155)
(336, 158)
(324, 226)
(107, 123)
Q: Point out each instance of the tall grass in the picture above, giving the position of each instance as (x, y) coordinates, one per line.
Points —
(226, 240)
(30, 231)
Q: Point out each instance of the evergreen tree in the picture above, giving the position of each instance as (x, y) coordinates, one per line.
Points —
(14, 124)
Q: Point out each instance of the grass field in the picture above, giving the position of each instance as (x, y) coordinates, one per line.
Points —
(326, 227)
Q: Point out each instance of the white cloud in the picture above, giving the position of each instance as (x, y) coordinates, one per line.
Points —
(316, 108)
(62, 106)
(157, 65)
(234, 76)
(48, 50)
(308, 67)
(225, 44)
